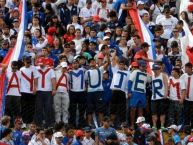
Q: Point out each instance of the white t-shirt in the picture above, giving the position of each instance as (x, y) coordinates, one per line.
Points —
(14, 83)
(77, 80)
(175, 90)
(78, 44)
(33, 28)
(95, 6)
(38, 47)
(158, 87)
(168, 25)
(94, 78)
(185, 78)
(53, 5)
(103, 13)
(174, 39)
(139, 80)
(61, 81)
(156, 11)
(87, 141)
(44, 79)
(27, 81)
(37, 142)
(86, 13)
(120, 80)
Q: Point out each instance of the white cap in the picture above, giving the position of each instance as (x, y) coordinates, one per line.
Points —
(108, 31)
(58, 134)
(142, 12)
(140, 3)
(140, 119)
(63, 64)
(106, 37)
(174, 127)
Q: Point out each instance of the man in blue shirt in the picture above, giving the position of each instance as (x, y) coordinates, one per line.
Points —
(103, 134)
(36, 11)
(172, 130)
(17, 132)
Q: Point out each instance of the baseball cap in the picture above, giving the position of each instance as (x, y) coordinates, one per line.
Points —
(58, 134)
(140, 3)
(142, 63)
(63, 64)
(106, 37)
(40, 61)
(27, 55)
(96, 18)
(101, 56)
(87, 129)
(140, 119)
(108, 31)
(79, 133)
(124, 124)
(157, 40)
(15, 20)
(156, 67)
(134, 64)
(174, 127)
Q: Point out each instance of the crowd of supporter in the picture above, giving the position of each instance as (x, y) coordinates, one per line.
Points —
(86, 73)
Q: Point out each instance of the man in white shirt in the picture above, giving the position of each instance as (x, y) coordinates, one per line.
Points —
(168, 22)
(28, 90)
(87, 140)
(86, 12)
(141, 8)
(187, 94)
(46, 89)
(94, 78)
(58, 137)
(119, 86)
(40, 139)
(77, 93)
(176, 101)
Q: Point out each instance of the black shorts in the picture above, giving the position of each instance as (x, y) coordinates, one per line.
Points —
(118, 101)
(159, 107)
(95, 103)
